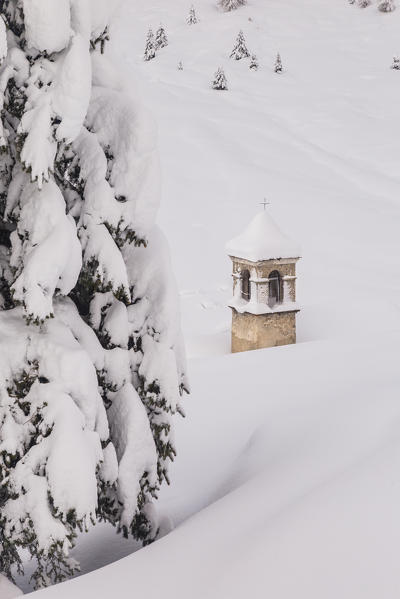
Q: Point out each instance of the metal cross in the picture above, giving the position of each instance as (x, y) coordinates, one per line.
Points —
(265, 204)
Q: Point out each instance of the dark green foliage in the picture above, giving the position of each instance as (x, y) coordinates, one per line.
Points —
(89, 283)
(10, 560)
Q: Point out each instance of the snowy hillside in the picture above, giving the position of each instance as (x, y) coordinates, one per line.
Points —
(287, 481)
(320, 142)
(300, 474)
(7, 589)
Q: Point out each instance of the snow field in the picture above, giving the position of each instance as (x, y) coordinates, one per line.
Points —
(300, 478)
(320, 142)
(287, 477)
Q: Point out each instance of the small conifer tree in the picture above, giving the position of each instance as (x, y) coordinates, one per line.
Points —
(240, 49)
(364, 3)
(150, 49)
(192, 18)
(161, 38)
(228, 5)
(386, 6)
(396, 63)
(219, 82)
(278, 64)
(180, 66)
(254, 63)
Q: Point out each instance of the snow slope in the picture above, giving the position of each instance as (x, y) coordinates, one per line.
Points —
(296, 451)
(321, 142)
(287, 481)
(7, 589)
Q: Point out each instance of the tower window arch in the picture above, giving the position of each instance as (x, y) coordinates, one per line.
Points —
(245, 283)
(275, 288)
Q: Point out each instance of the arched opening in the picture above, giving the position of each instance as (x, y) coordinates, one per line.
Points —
(246, 291)
(275, 288)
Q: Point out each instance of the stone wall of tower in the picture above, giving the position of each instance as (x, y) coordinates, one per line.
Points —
(260, 271)
(256, 331)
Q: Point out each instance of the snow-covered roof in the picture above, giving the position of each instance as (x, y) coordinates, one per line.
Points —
(262, 240)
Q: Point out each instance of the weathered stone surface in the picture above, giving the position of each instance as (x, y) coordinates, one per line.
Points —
(264, 289)
(261, 271)
(256, 331)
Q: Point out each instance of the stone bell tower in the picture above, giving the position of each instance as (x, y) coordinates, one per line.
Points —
(264, 286)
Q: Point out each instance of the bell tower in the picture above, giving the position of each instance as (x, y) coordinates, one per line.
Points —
(264, 304)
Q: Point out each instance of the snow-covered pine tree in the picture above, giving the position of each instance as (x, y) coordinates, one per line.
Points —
(91, 360)
(254, 63)
(386, 5)
(219, 82)
(180, 66)
(396, 63)
(278, 68)
(161, 38)
(150, 47)
(228, 5)
(240, 49)
(192, 18)
(364, 3)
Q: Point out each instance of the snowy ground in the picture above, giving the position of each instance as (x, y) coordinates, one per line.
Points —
(299, 467)
(321, 143)
(288, 479)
